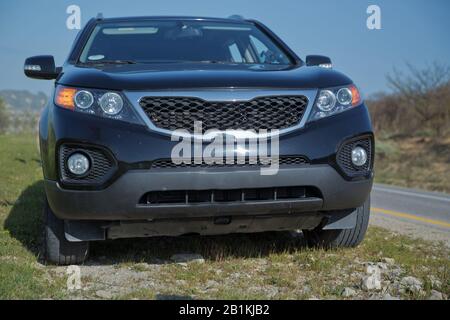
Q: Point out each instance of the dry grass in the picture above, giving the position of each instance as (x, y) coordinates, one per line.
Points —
(416, 162)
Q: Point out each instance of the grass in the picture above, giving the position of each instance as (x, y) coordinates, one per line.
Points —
(21, 201)
(250, 271)
(269, 265)
(416, 162)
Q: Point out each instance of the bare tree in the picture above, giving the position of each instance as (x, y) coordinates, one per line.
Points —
(426, 91)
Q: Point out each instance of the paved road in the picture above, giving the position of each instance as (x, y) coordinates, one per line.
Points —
(413, 212)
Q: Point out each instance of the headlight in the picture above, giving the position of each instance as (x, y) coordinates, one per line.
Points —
(111, 103)
(326, 100)
(334, 100)
(83, 99)
(344, 96)
(102, 103)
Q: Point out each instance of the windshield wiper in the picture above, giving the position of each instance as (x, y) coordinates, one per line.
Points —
(110, 62)
(214, 61)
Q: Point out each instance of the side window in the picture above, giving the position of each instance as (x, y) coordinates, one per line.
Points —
(235, 53)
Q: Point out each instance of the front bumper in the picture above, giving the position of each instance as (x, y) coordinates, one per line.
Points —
(134, 147)
(121, 200)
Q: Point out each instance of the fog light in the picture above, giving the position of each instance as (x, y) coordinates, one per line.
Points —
(78, 164)
(359, 156)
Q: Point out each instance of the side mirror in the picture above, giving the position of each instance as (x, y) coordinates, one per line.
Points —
(320, 61)
(41, 67)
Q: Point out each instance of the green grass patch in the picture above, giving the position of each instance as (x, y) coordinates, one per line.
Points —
(21, 201)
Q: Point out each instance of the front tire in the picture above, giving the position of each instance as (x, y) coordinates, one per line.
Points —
(344, 238)
(57, 249)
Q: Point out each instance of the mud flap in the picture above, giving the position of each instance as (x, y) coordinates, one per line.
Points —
(341, 220)
(76, 231)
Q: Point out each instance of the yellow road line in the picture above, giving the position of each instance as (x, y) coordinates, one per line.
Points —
(411, 216)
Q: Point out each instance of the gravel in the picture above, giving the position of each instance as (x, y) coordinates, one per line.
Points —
(411, 284)
(348, 292)
(436, 295)
(373, 280)
(382, 278)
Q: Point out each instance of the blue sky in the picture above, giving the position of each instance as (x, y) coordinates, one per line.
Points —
(415, 31)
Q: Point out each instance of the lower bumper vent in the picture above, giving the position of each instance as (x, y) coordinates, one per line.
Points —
(231, 195)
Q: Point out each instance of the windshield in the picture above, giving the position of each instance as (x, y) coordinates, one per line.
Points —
(181, 41)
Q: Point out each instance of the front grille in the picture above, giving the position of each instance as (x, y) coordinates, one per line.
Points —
(344, 157)
(230, 195)
(283, 161)
(172, 113)
(101, 165)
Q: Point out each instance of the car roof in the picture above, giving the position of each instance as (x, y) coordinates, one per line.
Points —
(174, 18)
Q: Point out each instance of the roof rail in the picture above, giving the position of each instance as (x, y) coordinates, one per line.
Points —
(236, 17)
(99, 16)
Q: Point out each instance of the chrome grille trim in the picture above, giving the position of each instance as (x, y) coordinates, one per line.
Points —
(221, 95)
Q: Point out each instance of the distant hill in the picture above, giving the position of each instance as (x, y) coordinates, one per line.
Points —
(23, 100)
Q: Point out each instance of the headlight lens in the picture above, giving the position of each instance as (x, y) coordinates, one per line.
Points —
(344, 96)
(334, 100)
(83, 99)
(111, 103)
(102, 103)
(326, 100)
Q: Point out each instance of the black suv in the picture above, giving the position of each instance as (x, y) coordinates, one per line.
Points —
(140, 101)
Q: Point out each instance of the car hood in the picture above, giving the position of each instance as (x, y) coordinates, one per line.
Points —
(191, 75)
